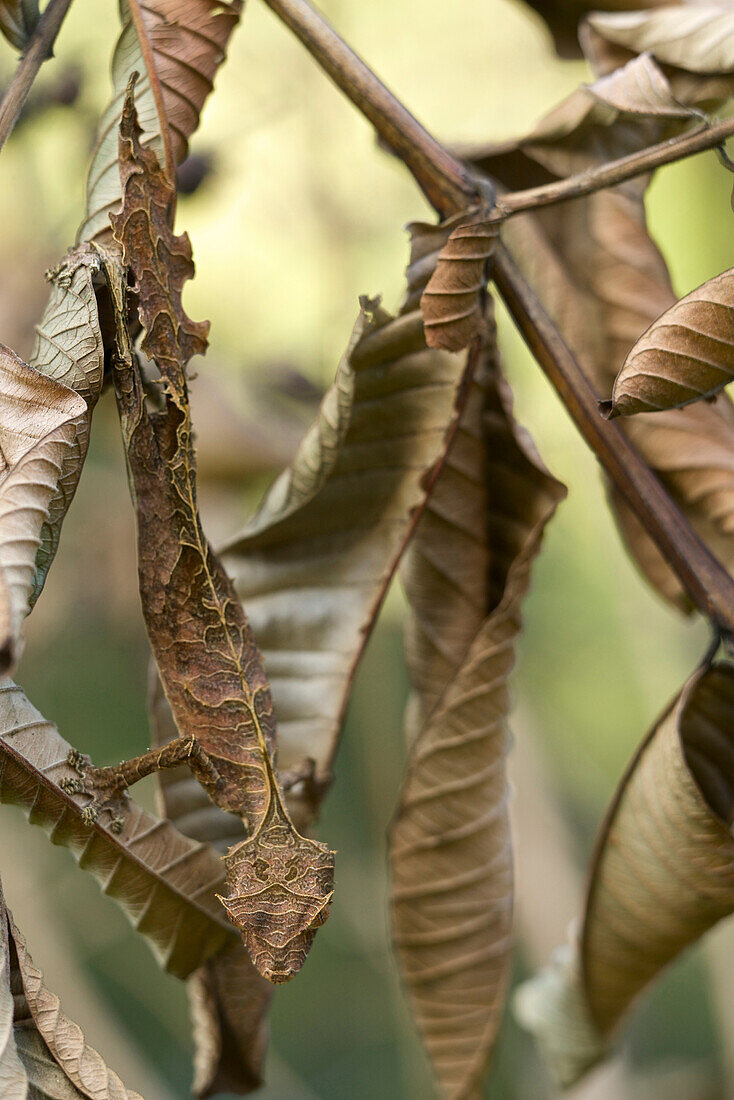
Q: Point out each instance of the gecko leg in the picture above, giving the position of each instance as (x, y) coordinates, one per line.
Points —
(106, 784)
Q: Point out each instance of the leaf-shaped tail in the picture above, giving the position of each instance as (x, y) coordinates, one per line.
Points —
(468, 570)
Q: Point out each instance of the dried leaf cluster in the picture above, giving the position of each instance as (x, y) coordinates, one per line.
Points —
(414, 462)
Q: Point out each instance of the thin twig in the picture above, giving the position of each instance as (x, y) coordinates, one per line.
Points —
(447, 183)
(39, 49)
(708, 584)
(614, 172)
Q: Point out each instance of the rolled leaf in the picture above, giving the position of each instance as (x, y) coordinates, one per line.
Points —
(315, 562)
(467, 572)
(177, 48)
(686, 354)
(164, 882)
(228, 998)
(40, 420)
(451, 301)
(663, 873)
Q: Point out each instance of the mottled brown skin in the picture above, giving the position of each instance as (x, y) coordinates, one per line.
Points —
(278, 883)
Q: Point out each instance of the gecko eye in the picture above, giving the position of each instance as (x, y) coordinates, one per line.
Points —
(291, 873)
(261, 869)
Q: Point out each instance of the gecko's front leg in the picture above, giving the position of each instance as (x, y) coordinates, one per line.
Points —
(107, 784)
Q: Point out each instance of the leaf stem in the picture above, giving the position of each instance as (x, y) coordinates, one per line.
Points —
(708, 584)
(38, 51)
(614, 172)
(448, 184)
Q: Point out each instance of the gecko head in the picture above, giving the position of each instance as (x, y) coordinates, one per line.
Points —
(278, 888)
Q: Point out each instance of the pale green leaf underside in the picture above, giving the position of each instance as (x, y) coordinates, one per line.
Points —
(70, 350)
(176, 48)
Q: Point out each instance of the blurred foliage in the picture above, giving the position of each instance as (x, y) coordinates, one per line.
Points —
(297, 215)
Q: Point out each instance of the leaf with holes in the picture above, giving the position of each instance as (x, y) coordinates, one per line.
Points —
(467, 572)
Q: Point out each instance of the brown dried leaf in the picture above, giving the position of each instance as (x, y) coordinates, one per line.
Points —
(563, 16)
(18, 20)
(662, 875)
(164, 882)
(639, 87)
(40, 420)
(604, 282)
(64, 1040)
(451, 301)
(686, 354)
(467, 571)
(279, 884)
(177, 46)
(663, 872)
(314, 564)
(228, 998)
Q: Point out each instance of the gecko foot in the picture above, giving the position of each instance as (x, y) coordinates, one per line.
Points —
(105, 792)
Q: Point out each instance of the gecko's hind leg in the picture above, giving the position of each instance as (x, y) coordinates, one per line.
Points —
(107, 784)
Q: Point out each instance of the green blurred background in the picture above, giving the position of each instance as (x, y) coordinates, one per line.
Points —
(298, 216)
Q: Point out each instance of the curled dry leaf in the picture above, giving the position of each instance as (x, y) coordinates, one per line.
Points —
(39, 422)
(639, 87)
(279, 883)
(315, 562)
(228, 998)
(18, 20)
(604, 282)
(177, 47)
(69, 348)
(686, 354)
(467, 571)
(163, 881)
(691, 42)
(64, 1040)
(451, 301)
(662, 874)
